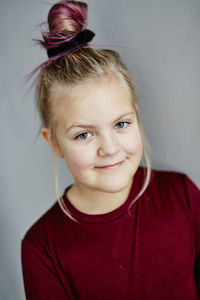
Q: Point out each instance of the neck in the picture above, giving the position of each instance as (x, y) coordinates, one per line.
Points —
(93, 202)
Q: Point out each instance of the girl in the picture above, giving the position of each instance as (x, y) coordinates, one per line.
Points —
(120, 231)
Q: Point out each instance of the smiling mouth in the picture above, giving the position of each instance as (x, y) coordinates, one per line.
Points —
(111, 166)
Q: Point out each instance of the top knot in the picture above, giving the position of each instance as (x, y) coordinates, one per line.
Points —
(65, 19)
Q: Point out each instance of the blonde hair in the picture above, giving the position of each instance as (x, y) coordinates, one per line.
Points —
(75, 68)
(86, 64)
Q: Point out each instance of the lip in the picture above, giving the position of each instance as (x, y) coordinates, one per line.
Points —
(111, 166)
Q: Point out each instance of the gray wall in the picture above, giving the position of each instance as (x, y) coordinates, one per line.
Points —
(160, 43)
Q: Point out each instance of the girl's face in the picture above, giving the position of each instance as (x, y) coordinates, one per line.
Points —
(98, 134)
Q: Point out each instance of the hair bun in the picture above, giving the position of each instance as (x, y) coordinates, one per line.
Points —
(65, 19)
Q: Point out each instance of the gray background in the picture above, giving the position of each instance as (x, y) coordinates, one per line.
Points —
(159, 40)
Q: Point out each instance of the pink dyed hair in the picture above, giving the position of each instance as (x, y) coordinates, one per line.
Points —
(65, 19)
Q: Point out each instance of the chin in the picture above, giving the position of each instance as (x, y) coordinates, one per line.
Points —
(114, 186)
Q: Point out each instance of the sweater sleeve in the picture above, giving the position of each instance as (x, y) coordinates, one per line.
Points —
(40, 279)
(193, 195)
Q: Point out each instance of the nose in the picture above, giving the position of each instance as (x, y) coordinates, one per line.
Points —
(108, 145)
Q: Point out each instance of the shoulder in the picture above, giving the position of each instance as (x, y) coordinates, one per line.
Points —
(45, 227)
(174, 185)
(168, 178)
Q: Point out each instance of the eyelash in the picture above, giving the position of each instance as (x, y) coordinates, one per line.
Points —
(78, 136)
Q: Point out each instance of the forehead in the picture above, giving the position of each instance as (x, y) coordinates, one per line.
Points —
(91, 100)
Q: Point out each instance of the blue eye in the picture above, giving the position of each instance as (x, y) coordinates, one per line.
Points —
(121, 124)
(83, 136)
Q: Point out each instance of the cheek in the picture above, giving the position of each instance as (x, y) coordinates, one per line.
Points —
(133, 143)
(78, 159)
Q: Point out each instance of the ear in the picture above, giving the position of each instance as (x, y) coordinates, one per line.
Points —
(45, 132)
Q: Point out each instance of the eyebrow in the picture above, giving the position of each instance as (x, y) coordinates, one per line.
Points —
(92, 126)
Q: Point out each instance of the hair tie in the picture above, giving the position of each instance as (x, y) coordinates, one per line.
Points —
(81, 39)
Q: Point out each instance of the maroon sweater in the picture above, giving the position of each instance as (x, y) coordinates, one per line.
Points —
(152, 253)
